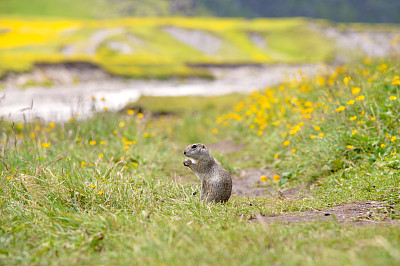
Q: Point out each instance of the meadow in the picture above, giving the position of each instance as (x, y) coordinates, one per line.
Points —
(112, 188)
(146, 48)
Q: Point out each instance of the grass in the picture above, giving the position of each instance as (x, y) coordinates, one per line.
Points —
(93, 9)
(154, 53)
(112, 188)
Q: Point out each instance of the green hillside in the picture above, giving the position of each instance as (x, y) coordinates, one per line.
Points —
(383, 11)
(159, 47)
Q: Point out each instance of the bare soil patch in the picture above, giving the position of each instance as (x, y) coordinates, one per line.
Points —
(248, 184)
(357, 213)
(226, 146)
(200, 40)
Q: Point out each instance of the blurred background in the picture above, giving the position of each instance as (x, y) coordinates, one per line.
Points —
(57, 57)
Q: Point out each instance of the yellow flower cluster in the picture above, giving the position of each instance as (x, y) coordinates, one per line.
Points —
(300, 106)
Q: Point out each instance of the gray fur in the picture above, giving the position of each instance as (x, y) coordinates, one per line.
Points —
(216, 182)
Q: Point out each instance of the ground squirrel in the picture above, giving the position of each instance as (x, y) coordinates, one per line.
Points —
(216, 182)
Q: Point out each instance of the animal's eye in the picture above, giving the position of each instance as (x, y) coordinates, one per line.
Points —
(194, 146)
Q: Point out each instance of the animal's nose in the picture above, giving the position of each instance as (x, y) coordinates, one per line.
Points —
(184, 152)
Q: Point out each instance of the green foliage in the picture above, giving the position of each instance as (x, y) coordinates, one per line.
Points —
(341, 11)
(112, 188)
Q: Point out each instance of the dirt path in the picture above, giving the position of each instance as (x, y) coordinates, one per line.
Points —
(357, 213)
(60, 102)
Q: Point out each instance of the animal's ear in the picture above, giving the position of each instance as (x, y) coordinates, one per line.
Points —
(204, 146)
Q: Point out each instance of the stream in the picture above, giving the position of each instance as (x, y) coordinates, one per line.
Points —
(59, 103)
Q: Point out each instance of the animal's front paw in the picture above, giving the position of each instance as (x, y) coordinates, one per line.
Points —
(187, 162)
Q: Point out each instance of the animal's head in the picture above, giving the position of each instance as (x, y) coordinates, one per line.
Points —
(196, 151)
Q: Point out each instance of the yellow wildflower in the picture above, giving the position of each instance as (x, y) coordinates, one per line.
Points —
(353, 118)
(71, 119)
(317, 128)
(312, 137)
(105, 108)
(321, 135)
(259, 133)
(354, 132)
(140, 115)
(276, 177)
(350, 146)
(92, 142)
(101, 155)
(308, 104)
(396, 82)
(393, 138)
(392, 98)
(350, 102)
(276, 156)
(121, 124)
(340, 109)
(367, 61)
(130, 112)
(286, 142)
(83, 164)
(383, 145)
(360, 98)
(102, 143)
(46, 144)
(382, 67)
(373, 119)
(355, 90)
(293, 150)
(263, 178)
(92, 186)
(101, 192)
(346, 80)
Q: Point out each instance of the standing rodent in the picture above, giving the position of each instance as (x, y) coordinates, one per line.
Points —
(216, 182)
